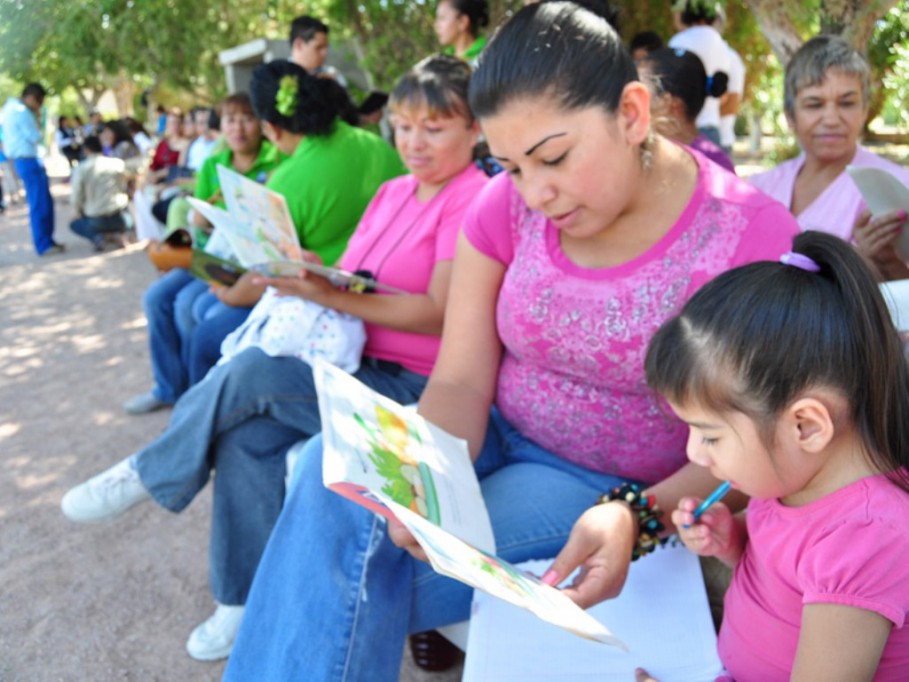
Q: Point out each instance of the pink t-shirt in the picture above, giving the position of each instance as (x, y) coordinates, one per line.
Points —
(838, 206)
(848, 548)
(572, 373)
(400, 240)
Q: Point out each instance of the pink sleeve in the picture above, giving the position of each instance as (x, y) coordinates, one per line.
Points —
(858, 564)
(454, 213)
(774, 228)
(488, 223)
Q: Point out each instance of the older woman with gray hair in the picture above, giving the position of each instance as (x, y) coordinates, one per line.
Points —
(826, 103)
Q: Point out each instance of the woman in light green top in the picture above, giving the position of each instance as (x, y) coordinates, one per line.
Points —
(458, 24)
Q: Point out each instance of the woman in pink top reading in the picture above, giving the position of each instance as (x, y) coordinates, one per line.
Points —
(795, 388)
(597, 233)
(826, 103)
(242, 419)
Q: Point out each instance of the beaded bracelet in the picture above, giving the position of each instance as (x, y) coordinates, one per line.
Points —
(648, 515)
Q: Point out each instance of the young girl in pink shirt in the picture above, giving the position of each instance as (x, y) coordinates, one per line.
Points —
(795, 388)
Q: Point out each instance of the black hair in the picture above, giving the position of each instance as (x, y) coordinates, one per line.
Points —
(93, 144)
(306, 27)
(646, 40)
(316, 102)
(120, 130)
(61, 120)
(237, 101)
(681, 73)
(440, 82)
(757, 336)
(214, 119)
(553, 49)
(476, 11)
(602, 8)
(698, 12)
(135, 127)
(34, 90)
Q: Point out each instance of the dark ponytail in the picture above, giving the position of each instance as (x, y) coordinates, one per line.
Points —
(756, 337)
(681, 73)
(476, 11)
(312, 106)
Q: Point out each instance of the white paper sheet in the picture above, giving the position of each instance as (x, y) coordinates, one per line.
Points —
(662, 615)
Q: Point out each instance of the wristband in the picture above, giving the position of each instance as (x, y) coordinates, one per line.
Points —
(647, 513)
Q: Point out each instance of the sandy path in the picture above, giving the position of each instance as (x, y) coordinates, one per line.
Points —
(99, 603)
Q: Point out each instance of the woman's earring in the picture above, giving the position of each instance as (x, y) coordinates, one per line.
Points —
(647, 151)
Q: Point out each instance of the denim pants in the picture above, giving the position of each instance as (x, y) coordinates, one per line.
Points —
(240, 421)
(40, 202)
(94, 229)
(334, 598)
(167, 303)
(210, 329)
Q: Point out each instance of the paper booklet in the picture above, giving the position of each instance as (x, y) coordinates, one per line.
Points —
(883, 193)
(662, 614)
(390, 460)
(261, 236)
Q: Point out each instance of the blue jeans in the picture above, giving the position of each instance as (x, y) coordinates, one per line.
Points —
(240, 421)
(169, 326)
(40, 202)
(217, 321)
(94, 229)
(334, 598)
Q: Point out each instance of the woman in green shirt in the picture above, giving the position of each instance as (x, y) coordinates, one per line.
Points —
(458, 24)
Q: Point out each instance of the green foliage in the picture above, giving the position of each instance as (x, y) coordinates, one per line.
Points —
(888, 53)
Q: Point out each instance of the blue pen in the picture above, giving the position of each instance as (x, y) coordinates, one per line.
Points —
(715, 496)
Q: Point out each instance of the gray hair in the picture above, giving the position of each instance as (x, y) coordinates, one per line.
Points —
(815, 58)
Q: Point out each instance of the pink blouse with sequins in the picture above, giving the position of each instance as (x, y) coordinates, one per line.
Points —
(572, 373)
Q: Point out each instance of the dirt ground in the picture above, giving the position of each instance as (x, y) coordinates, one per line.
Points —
(107, 602)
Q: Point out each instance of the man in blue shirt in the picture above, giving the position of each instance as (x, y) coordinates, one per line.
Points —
(21, 136)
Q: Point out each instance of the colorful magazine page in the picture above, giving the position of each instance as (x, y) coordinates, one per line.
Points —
(883, 193)
(662, 614)
(263, 230)
(211, 268)
(376, 450)
(338, 277)
(456, 559)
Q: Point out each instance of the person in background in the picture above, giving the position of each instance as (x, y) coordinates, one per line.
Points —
(21, 136)
(309, 48)
(827, 86)
(141, 138)
(680, 88)
(731, 101)
(66, 141)
(644, 43)
(694, 20)
(458, 24)
(94, 125)
(596, 232)
(117, 142)
(99, 196)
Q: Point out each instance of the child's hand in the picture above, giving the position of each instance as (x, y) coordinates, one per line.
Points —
(641, 675)
(714, 532)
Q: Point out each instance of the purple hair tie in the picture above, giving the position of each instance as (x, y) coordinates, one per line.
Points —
(799, 260)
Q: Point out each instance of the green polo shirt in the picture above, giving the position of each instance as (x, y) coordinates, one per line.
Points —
(207, 182)
(471, 53)
(328, 182)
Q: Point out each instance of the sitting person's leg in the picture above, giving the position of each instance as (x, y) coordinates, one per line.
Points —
(205, 341)
(334, 599)
(164, 344)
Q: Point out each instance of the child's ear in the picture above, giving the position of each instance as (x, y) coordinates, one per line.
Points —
(811, 423)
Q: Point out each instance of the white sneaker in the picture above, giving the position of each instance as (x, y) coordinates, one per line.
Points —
(213, 639)
(105, 496)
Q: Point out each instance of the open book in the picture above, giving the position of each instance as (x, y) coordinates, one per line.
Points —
(883, 193)
(260, 233)
(390, 460)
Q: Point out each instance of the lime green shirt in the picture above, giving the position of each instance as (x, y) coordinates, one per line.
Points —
(207, 182)
(328, 182)
(471, 53)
